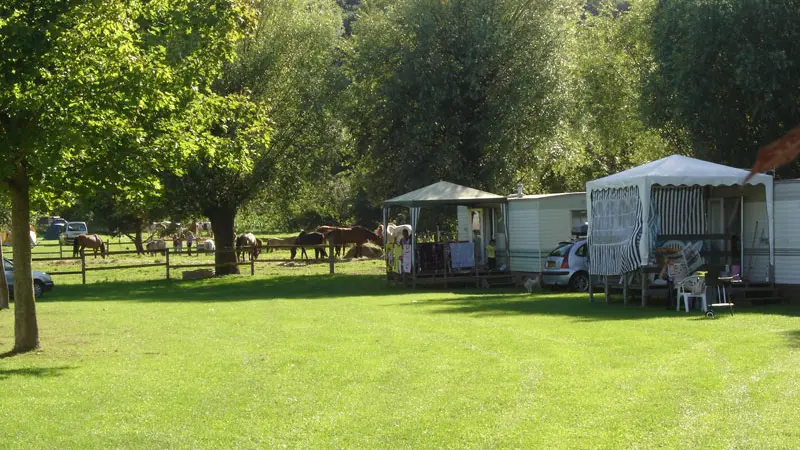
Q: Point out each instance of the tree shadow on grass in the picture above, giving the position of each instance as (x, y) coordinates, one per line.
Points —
(792, 338)
(309, 287)
(573, 305)
(39, 372)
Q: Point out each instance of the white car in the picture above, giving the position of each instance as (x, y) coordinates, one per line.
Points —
(73, 229)
(568, 266)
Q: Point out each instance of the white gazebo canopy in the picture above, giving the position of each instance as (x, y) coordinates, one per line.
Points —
(678, 170)
(444, 192)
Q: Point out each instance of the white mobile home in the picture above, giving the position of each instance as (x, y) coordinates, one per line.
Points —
(787, 237)
(536, 224)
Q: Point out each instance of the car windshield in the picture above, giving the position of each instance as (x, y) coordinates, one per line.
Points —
(561, 250)
(76, 227)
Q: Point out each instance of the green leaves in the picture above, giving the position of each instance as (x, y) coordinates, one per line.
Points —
(727, 73)
(450, 90)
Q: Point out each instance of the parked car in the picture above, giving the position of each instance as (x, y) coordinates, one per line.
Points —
(72, 231)
(568, 265)
(41, 281)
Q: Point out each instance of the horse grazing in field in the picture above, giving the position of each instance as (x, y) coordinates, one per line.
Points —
(277, 242)
(248, 244)
(356, 235)
(310, 239)
(157, 246)
(93, 241)
(208, 246)
(325, 229)
(199, 227)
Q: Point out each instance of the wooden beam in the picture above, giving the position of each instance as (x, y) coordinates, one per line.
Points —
(644, 288)
(625, 288)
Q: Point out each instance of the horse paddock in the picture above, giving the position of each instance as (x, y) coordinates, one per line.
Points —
(320, 361)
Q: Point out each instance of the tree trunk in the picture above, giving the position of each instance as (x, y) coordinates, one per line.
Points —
(138, 241)
(222, 220)
(26, 330)
(4, 297)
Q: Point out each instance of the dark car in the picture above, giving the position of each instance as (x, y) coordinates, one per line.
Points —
(41, 281)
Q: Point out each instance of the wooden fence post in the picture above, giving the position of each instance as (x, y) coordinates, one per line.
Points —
(331, 258)
(252, 266)
(167, 256)
(83, 266)
(60, 249)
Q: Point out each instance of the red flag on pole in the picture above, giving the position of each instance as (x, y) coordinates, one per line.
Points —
(776, 154)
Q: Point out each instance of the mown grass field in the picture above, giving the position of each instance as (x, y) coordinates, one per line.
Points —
(315, 361)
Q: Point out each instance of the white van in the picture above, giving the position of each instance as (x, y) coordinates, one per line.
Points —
(73, 229)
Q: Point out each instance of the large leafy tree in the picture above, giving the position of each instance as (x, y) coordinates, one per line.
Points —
(267, 121)
(727, 74)
(605, 60)
(455, 90)
(81, 86)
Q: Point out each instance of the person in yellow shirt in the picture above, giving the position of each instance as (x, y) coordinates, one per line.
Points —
(491, 253)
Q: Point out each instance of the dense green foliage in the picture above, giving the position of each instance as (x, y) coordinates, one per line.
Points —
(727, 74)
(348, 362)
(451, 90)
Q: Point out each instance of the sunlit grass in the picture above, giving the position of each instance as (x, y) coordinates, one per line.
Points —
(347, 361)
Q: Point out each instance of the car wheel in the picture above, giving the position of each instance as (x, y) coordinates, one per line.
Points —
(579, 282)
(38, 288)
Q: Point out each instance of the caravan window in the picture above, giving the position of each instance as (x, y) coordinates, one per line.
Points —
(579, 217)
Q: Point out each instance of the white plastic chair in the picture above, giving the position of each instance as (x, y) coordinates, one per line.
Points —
(691, 287)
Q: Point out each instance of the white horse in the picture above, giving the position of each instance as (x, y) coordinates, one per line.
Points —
(395, 232)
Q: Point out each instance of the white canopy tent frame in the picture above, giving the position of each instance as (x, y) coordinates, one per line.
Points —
(441, 193)
(678, 170)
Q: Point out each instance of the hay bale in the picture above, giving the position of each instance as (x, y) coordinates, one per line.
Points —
(368, 250)
(198, 274)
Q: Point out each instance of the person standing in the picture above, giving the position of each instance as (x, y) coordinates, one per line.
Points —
(491, 253)
(189, 241)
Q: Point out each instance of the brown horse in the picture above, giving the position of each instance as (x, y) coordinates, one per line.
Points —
(92, 241)
(325, 229)
(356, 235)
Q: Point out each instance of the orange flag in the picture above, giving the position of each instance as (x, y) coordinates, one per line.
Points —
(776, 154)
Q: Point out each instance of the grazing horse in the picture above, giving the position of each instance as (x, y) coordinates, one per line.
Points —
(310, 239)
(248, 244)
(356, 235)
(92, 241)
(199, 227)
(325, 229)
(272, 243)
(157, 246)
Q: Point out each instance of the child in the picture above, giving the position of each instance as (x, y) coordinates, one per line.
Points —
(189, 240)
(491, 254)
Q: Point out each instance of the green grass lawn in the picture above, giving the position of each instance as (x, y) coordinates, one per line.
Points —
(328, 362)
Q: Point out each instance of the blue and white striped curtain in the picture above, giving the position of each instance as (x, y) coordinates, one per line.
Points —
(680, 209)
(615, 231)
(415, 210)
